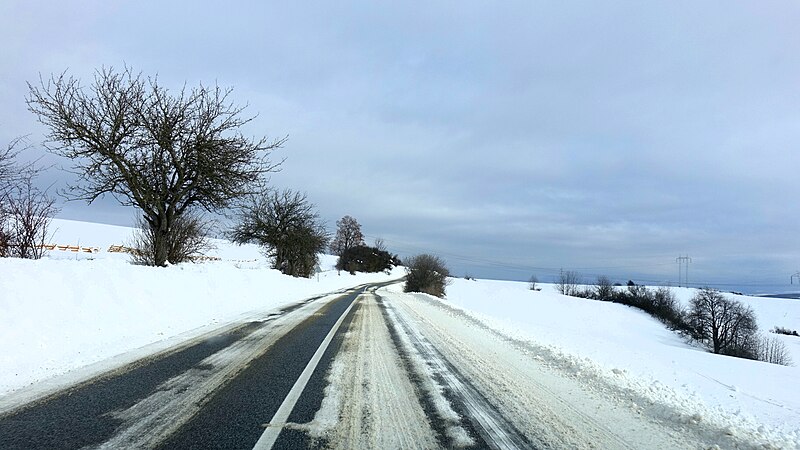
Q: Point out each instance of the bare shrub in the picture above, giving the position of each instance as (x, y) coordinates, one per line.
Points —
(187, 238)
(568, 282)
(604, 289)
(772, 350)
(426, 273)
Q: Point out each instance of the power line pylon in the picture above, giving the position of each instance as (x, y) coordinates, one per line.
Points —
(683, 270)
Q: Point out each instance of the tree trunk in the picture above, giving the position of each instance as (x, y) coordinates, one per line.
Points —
(715, 339)
(161, 242)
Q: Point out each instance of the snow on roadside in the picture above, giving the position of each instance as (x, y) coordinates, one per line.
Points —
(59, 314)
(630, 349)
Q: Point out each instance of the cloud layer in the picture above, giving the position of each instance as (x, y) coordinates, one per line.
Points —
(514, 138)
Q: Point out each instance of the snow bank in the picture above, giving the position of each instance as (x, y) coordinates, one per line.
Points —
(59, 314)
(628, 345)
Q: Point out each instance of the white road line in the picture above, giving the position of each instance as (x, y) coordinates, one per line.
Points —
(270, 435)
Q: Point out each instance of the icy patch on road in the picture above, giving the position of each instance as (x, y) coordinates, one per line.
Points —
(327, 417)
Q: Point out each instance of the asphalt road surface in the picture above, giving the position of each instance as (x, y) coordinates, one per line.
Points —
(368, 368)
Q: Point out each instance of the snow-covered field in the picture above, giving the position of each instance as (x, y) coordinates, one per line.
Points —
(70, 310)
(73, 310)
(630, 349)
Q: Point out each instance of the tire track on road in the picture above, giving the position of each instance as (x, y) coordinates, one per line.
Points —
(369, 401)
(493, 429)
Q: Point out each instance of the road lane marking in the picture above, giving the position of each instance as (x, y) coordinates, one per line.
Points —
(275, 426)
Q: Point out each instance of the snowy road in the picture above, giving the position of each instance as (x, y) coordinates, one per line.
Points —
(372, 368)
(414, 373)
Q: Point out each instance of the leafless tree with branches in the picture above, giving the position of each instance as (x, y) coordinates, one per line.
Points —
(568, 282)
(728, 326)
(166, 154)
(348, 235)
(25, 209)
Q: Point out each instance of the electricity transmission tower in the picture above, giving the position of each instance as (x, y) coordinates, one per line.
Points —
(683, 270)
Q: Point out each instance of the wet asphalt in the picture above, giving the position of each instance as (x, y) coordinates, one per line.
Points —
(232, 418)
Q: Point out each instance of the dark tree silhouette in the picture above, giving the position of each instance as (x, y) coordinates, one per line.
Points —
(286, 226)
(166, 154)
(348, 235)
(727, 325)
(364, 259)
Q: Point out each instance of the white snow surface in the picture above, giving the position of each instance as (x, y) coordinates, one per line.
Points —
(634, 351)
(72, 310)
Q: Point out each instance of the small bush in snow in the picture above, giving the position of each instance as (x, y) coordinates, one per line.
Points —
(361, 258)
(532, 282)
(426, 273)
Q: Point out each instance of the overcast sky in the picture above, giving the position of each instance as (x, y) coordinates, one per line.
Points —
(511, 138)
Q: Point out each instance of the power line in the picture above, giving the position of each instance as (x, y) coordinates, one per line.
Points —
(683, 268)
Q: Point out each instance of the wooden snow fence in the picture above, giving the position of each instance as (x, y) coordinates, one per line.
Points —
(70, 248)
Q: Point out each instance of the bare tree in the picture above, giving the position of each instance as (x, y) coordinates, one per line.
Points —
(727, 325)
(426, 273)
(348, 235)
(164, 153)
(772, 350)
(532, 282)
(567, 282)
(28, 212)
(25, 210)
(286, 226)
(7, 172)
(8, 165)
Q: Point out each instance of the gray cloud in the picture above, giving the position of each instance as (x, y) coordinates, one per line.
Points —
(509, 138)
